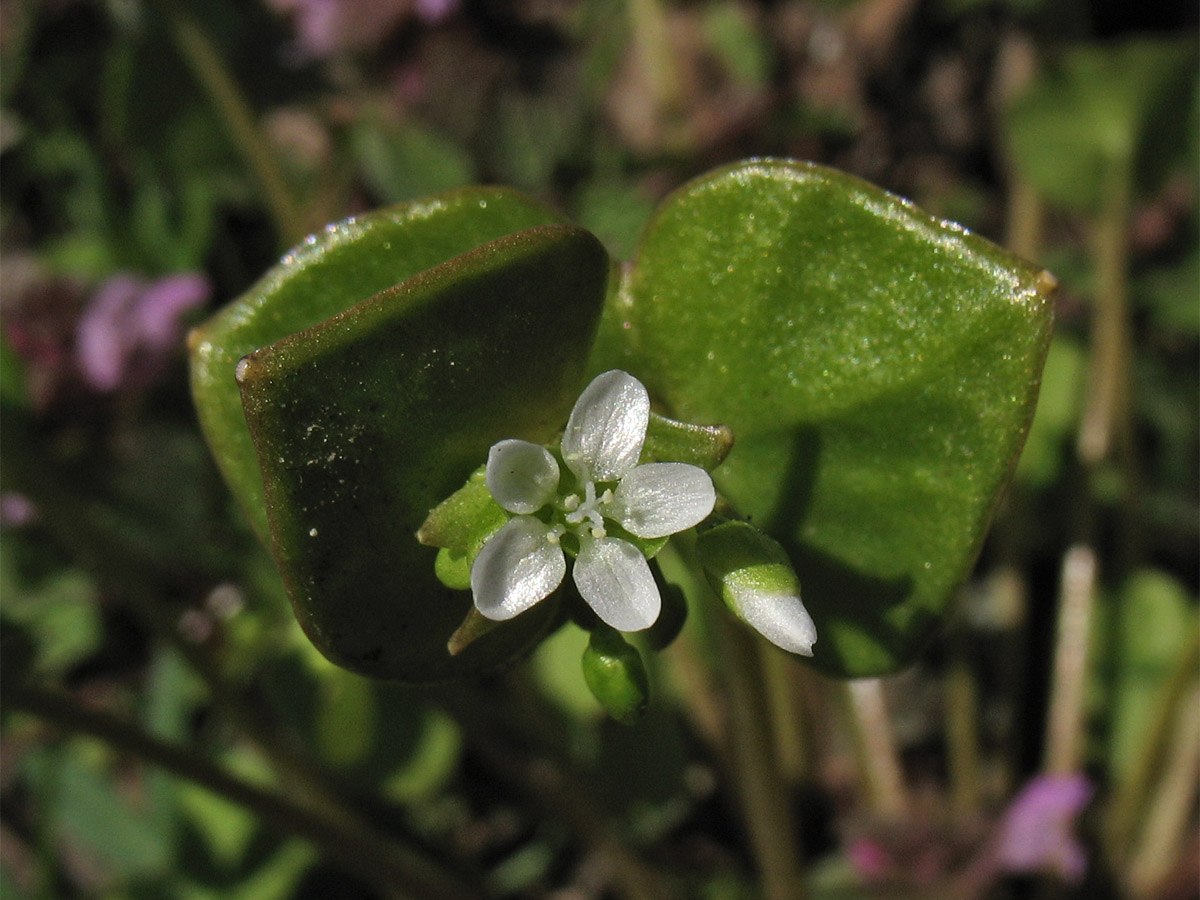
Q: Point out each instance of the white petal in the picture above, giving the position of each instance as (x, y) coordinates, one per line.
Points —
(614, 578)
(607, 427)
(780, 618)
(516, 568)
(659, 499)
(521, 476)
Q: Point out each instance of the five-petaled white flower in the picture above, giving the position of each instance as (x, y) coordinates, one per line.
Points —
(523, 562)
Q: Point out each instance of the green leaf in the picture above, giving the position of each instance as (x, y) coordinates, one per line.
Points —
(1100, 108)
(403, 160)
(365, 422)
(1157, 622)
(343, 265)
(877, 367)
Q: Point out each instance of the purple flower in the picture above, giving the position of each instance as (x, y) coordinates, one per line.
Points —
(131, 327)
(1037, 833)
(16, 510)
(328, 27)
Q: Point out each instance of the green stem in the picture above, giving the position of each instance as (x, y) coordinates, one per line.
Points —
(962, 735)
(780, 674)
(656, 57)
(239, 121)
(764, 794)
(1026, 215)
(395, 870)
(1129, 797)
(1170, 806)
(762, 789)
(878, 757)
(1106, 405)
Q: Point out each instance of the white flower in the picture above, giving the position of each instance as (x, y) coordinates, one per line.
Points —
(524, 562)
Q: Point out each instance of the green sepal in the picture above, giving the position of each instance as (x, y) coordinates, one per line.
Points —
(667, 440)
(648, 546)
(474, 626)
(616, 676)
(464, 520)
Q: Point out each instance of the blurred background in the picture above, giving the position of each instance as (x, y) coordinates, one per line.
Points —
(167, 731)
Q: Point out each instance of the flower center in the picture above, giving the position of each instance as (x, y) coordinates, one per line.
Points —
(585, 513)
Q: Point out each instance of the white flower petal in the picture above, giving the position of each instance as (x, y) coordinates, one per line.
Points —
(607, 427)
(659, 499)
(614, 578)
(521, 476)
(517, 567)
(781, 618)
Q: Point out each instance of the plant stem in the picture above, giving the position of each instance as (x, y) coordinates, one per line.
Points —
(1171, 805)
(1026, 213)
(239, 120)
(1129, 797)
(779, 673)
(962, 734)
(1105, 411)
(762, 790)
(876, 746)
(1104, 426)
(656, 57)
(1065, 721)
(765, 796)
(395, 870)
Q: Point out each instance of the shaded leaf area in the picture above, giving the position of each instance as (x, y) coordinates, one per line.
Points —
(344, 265)
(365, 422)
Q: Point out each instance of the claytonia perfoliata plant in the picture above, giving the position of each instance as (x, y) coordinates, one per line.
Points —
(602, 486)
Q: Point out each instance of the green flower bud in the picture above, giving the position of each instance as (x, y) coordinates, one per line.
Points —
(616, 676)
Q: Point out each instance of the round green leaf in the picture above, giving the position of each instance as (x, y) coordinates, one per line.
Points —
(877, 367)
(344, 264)
(366, 421)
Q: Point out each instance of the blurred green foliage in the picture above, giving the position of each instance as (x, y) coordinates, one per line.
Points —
(130, 580)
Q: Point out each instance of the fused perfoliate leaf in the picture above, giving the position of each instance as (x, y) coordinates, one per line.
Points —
(363, 423)
(877, 367)
(755, 578)
(344, 264)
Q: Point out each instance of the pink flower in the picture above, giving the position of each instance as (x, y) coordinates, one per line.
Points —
(130, 328)
(327, 27)
(1037, 833)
